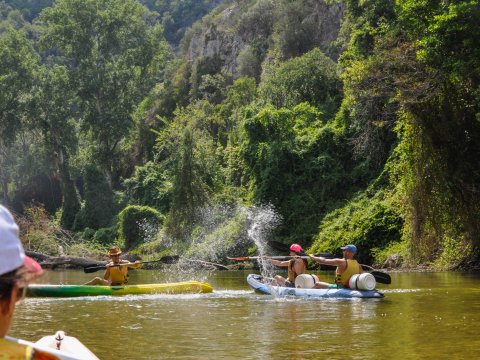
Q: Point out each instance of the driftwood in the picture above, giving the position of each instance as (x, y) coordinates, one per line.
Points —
(71, 262)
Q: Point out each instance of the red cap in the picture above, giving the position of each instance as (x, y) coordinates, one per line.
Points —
(296, 248)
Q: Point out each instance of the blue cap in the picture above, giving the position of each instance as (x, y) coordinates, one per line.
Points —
(350, 247)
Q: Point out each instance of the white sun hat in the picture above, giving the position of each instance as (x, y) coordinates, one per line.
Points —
(12, 255)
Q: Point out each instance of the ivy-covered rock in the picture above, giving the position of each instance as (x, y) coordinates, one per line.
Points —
(138, 224)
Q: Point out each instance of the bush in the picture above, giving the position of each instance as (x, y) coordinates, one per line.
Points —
(310, 78)
(105, 236)
(87, 234)
(138, 224)
(371, 223)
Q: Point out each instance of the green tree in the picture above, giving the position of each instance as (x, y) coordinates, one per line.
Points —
(115, 52)
(99, 206)
(311, 77)
(18, 63)
(440, 125)
(188, 150)
(177, 16)
(55, 119)
(297, 164)
(138, 224)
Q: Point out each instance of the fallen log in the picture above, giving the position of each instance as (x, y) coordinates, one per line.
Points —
(70, 262)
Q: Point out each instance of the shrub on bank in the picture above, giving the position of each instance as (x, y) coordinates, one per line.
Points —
(138, 224)
(371, 223)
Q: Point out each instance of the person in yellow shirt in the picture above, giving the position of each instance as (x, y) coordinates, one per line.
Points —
(117, 270)
(346, 267)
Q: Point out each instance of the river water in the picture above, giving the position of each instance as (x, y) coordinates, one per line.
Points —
(423, 316)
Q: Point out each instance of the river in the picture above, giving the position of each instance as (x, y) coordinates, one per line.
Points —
(423, 316)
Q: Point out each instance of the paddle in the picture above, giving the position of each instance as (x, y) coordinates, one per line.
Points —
(379, 276)
(168, 259)
(301, 255)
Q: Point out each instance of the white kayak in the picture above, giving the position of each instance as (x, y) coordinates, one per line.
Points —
(61, 346)
(262, 285)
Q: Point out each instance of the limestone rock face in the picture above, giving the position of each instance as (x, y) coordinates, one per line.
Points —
(220, 37)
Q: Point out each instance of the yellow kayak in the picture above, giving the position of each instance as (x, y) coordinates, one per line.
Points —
(185, 287)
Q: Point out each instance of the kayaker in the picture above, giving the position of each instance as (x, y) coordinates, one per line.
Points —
(346, 267)
(296, 266)
(16, 271)
(114, 274)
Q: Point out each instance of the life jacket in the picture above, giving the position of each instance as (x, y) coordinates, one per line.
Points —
(12, 350)
(292, 275)
(118, 275)
(353, 267)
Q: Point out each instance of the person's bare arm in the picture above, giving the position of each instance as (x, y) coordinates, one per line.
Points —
(278, 262)
(106, 275)
(325, 261)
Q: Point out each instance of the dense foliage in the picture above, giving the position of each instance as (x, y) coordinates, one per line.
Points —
(356, 121)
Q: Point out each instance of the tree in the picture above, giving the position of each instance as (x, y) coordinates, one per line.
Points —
(311, 77)
(297, 165)
(56, 122)
(440, 130)
(188, 158)
(99, 207)
(18, 62)
(114, 52)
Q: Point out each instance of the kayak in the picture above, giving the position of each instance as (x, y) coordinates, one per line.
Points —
(67, 344)
(186, 287)
(58, 346)
(259, 284)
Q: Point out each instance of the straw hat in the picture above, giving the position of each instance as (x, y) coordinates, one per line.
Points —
(114, 251)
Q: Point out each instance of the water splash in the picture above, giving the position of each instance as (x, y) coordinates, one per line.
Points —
(222, 231)
(263, 219)
(148, 229)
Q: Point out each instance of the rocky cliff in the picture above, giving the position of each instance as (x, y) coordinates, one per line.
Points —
(289, 28)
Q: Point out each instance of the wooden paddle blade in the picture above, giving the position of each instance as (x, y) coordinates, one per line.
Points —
(93, 268)
(381, 277)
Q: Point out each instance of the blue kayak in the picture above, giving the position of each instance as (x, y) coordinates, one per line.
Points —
(259, 284)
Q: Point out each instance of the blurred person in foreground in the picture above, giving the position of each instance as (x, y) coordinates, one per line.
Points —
(16, 271)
